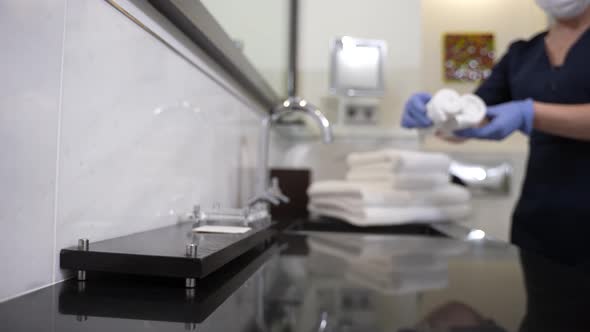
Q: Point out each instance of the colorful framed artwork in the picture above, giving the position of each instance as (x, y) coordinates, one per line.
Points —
(468, 57)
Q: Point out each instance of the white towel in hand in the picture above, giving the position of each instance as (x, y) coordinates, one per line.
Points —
(400, 160)
(379, 216)
(402, 181)
(450, 111)
(377, 194)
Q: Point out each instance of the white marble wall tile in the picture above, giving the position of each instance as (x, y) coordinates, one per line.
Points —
(31, 34)
(139, 135)
(145, 135)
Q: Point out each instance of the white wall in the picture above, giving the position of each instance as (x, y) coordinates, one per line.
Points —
(508, 20)
(397, 22)
(413, 30)
(105, 132)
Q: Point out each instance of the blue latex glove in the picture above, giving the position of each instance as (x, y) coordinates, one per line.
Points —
(504, 120)
(415, 112)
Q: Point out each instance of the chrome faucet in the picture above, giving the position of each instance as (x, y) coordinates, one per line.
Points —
(264, 191)
(257, 212)
(487, 179)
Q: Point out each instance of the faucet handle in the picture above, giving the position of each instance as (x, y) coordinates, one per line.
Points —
(275, 190)
(264, 197)
(272, 195)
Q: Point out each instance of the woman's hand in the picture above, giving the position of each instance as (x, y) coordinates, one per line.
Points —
(504, 119)
(415, 112)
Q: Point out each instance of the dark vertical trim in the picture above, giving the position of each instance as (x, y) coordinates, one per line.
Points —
(293, 49)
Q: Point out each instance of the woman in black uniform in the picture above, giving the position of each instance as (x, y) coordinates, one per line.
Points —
(541, 87)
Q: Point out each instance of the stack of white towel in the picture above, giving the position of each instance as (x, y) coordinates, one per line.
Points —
(390, 187)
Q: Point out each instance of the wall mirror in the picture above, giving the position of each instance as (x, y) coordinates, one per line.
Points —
(251, 40)
(260, 30)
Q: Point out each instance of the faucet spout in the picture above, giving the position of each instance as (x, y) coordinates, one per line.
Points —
(296, 104)
(290, 105)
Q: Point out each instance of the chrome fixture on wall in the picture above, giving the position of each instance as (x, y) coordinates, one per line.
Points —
(489, 179)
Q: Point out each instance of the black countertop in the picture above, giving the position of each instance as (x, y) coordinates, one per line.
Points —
(329, 282)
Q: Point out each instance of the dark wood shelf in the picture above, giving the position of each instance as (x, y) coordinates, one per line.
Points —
(162, 252)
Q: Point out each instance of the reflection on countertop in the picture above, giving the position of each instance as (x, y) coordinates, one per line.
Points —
(328, 282)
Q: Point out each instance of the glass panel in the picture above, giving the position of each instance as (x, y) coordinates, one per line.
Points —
(260, 28)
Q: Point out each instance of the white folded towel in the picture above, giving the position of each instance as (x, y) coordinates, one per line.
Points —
(400, 160)
(450, 111)
(373, 195)
(379, 216)
(402, 181)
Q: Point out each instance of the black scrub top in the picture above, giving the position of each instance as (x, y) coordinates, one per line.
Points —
(552, 216)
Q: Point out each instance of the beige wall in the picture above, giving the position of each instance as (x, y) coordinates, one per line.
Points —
(413, 30)
(507, 19)
(397, 22)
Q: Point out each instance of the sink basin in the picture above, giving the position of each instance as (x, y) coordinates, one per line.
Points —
(324, 224)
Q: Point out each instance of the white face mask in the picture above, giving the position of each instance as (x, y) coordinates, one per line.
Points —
(563, 9)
